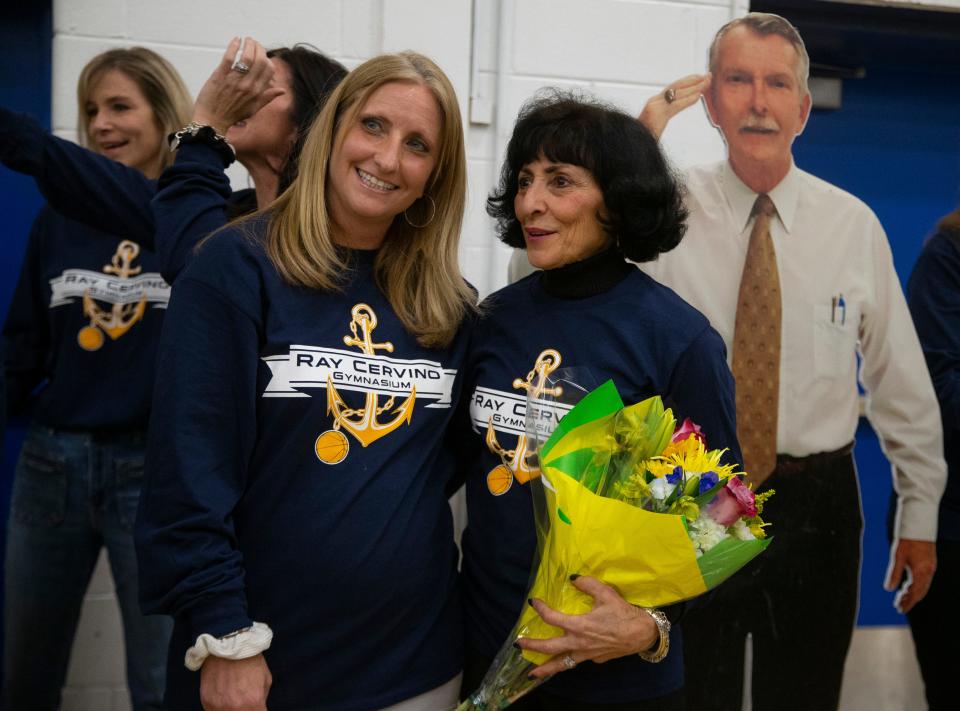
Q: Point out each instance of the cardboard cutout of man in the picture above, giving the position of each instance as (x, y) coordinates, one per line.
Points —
(834, 294)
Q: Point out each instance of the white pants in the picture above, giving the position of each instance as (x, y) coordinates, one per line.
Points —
(443, 698)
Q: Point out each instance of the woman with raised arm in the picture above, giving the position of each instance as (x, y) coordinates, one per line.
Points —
(80, 342)
(263, 112)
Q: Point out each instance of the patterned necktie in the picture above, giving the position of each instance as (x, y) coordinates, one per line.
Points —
(756, 349)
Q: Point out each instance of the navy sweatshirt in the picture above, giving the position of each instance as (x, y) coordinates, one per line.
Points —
(109, 196)
(83, 328)
(933, 294)
(624, 327)
(295, 476)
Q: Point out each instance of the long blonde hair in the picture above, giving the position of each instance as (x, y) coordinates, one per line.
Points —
(160, 83)
(417, 268)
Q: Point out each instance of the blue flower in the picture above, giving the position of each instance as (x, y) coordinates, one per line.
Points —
(677, 475)
(708, 480)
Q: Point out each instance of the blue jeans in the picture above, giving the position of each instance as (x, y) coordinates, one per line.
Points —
(73, 493)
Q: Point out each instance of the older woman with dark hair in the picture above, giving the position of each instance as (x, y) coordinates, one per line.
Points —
(584, 189)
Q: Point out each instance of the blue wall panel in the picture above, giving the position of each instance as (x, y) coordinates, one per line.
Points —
(895, 144)
(25, 42)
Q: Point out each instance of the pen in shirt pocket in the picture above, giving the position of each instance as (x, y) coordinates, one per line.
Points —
(838, 310)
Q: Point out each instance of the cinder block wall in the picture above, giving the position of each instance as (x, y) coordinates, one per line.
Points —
(496, 52)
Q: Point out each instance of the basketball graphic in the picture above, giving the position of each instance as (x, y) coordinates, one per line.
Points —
(332, 447)
(499, 480)
(90, 338)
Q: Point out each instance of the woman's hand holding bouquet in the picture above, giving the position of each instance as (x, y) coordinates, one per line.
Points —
(631, 512)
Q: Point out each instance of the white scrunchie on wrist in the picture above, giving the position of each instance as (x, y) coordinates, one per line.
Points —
(237, 645)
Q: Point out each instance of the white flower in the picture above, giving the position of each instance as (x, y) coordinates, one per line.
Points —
(660, 488)
(741, 531)
(706, 533)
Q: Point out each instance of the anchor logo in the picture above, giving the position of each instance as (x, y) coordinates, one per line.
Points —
(121, 317)
(363, 423)
(514, 464)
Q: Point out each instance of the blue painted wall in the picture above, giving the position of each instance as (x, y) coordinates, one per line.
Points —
(25, 42)
(896, 145)
(25, 39)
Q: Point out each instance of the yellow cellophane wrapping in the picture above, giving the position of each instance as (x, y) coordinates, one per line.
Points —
(647, 557)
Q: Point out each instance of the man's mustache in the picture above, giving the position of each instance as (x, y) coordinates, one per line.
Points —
(758, 123)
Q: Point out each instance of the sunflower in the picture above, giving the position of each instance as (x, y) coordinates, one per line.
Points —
(692, 456)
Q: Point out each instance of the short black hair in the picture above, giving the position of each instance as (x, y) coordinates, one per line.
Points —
(643, 199)
(313, 76)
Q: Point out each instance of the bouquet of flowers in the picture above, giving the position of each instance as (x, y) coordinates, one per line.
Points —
(628, 498)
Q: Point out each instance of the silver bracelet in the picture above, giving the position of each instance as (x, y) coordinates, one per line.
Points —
(235, 633)
(194, 132)
(663, 627)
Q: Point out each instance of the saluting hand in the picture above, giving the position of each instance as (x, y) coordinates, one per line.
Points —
(678, 95)
(231, 94)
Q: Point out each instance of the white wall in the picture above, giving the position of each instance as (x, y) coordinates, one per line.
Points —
(623, 50)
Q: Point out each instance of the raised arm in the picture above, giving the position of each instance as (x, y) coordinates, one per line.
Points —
(194, 197)
(77, 182)
(677, 96)
(229, 96)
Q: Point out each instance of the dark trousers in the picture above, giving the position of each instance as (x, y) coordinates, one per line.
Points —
(797, 600)
(540, 699)
(73, 494)
(934, 622)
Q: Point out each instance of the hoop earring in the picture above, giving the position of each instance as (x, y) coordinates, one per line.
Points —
(433, 213)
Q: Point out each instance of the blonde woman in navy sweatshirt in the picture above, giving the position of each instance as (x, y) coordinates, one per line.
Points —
(97, 194)
(294, 519)
(80, 341)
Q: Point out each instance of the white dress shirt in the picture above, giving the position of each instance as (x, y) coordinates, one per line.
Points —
(829, 245)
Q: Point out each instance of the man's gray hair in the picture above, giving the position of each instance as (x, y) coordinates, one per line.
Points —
(763, 24)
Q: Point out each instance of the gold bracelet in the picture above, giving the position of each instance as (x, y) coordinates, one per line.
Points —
(663, 627)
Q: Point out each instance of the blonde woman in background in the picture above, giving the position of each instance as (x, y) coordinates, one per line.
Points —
(259, 117)
(80, 341)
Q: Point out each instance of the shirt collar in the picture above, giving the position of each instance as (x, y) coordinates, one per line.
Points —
(740, 198)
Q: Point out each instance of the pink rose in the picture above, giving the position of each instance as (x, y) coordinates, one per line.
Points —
(731, 502)
(689, 429)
